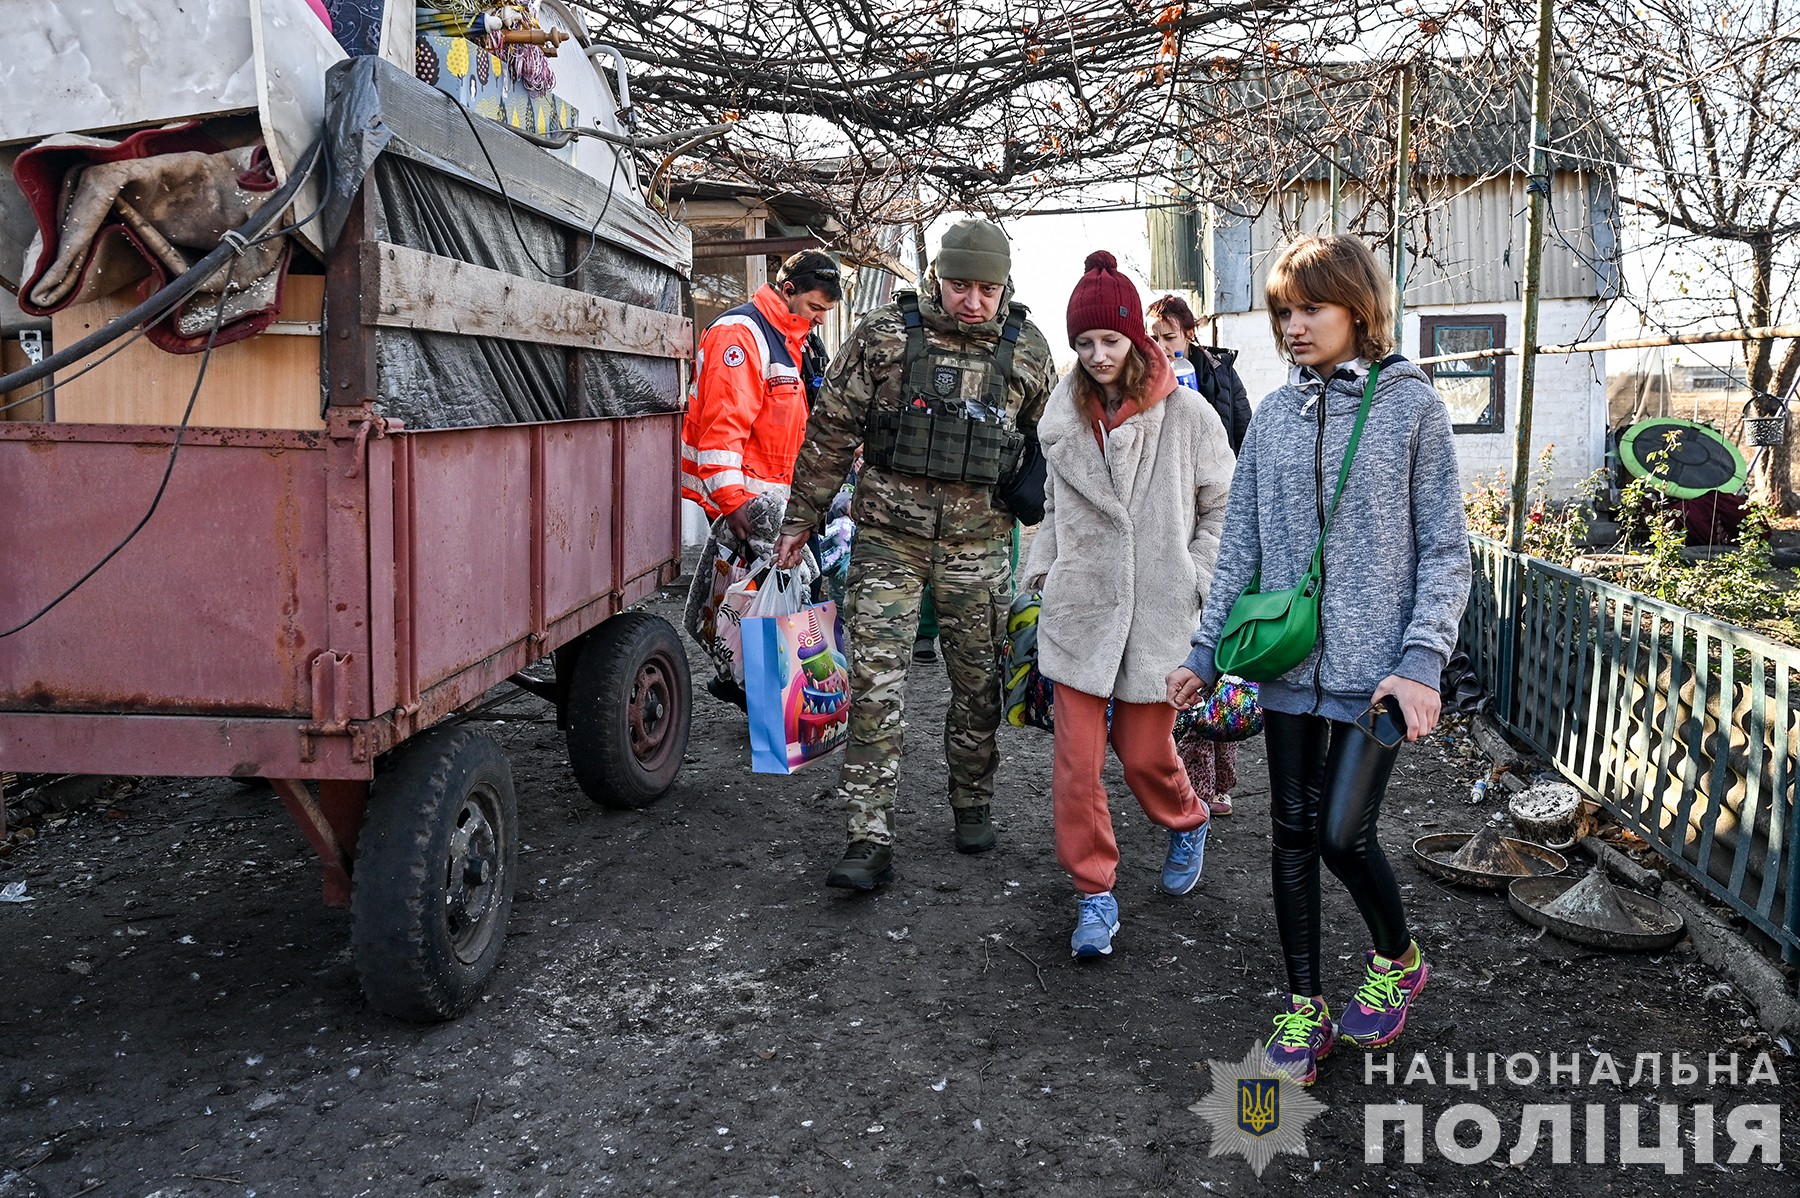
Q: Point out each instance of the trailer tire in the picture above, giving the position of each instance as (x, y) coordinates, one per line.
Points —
(436, 865)
(629, 710)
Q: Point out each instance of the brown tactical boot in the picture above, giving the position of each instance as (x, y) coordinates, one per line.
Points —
(864, 866)
(974, 829)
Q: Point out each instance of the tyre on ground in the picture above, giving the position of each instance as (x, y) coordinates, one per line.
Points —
(629, 710)
(436, 866)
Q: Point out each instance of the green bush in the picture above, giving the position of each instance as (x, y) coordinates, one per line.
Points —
(1553, 531)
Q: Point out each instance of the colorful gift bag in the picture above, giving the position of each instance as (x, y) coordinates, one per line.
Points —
(1028, 693)
(796, 677)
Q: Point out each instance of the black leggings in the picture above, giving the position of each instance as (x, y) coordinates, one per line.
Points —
(1326, 780)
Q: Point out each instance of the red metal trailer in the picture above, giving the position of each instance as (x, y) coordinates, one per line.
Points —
(303, 603)
(316, 607)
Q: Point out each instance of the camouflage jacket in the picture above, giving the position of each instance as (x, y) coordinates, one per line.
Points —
(868, 375)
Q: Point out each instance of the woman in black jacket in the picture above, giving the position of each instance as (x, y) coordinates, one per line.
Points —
(1173, 325)
(1211, 765)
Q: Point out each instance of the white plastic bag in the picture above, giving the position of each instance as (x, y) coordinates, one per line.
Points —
(732, 608)
(780, 594)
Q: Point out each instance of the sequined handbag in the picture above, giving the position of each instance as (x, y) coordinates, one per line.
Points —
(1230, 712)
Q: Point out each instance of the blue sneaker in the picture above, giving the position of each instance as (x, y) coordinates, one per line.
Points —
(1187, 853)
(1094, 927)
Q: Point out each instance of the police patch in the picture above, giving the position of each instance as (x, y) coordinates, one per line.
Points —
(944, 379)
(734, 355)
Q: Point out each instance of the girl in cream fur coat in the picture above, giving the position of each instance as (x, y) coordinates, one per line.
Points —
(1139, 472)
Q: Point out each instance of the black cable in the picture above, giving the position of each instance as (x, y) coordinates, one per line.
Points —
(324, 200)
(144, 328)
(168, 469)
(32, 398)
(102, 360)
(513, 216)
(173, 292)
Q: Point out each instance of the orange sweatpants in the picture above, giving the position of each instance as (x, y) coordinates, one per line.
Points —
(1143, 735)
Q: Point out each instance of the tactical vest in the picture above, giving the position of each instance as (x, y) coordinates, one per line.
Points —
(938, 433)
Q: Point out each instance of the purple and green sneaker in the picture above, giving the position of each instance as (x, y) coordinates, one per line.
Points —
(1304, 1036)
(1377, 1011)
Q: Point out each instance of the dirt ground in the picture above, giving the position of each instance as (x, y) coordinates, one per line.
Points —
(684, 1009)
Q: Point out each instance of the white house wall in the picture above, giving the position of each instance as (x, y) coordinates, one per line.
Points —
(1569, 410)
(1468, 259)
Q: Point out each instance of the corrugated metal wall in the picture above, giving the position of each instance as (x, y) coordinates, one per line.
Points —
(1175, 258)
(1468, 248)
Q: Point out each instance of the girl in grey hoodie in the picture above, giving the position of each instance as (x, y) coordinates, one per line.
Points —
(1396, 580)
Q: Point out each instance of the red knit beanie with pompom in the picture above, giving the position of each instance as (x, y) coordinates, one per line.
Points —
(1106, 299)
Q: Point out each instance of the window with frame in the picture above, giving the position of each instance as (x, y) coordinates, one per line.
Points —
(1473, 389)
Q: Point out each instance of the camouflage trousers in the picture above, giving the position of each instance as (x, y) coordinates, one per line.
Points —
(971, 582)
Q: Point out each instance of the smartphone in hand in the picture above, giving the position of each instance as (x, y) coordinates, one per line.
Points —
(1385, 722)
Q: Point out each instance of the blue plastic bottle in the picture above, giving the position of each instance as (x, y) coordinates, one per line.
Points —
(1185, 374)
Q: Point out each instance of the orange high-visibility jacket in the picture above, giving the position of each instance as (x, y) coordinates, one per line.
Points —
(747, 411)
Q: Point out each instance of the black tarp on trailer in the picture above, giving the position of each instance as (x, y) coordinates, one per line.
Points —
(445, 181)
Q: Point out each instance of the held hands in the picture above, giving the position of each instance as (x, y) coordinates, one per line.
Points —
(1184, 688)
(1419, 703)
(738, 520)
(789, 547)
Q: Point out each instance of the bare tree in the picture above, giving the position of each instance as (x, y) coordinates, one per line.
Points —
(1706, 96)
(897, 112)
(988, 104)
(891, 113)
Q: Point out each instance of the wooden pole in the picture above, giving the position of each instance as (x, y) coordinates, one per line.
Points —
(1337, 198)
(1402, 180)
(1771, 333)
(1538, 190)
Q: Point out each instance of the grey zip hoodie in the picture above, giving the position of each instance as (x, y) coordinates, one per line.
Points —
(1396, 557)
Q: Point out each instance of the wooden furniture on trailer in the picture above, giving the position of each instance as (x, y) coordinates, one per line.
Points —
(316, 604)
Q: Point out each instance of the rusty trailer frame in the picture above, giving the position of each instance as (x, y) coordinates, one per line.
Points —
(303, 602)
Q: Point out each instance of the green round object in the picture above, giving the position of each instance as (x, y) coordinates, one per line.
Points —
(1699, 460)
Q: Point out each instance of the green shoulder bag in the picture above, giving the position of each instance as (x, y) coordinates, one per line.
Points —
(1268, 633)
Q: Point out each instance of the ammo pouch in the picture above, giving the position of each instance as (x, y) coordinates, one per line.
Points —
(942, 445)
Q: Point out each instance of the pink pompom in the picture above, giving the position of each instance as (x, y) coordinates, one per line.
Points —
(318, 6)
(1100, 260)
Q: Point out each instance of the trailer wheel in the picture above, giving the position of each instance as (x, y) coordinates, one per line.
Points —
(630, 704)
(433, 881)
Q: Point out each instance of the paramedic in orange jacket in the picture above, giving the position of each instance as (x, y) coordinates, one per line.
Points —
(745, 421)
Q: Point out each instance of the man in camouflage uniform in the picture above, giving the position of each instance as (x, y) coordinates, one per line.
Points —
(977, 375)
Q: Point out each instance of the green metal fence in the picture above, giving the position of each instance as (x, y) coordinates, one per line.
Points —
(1685, 728)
